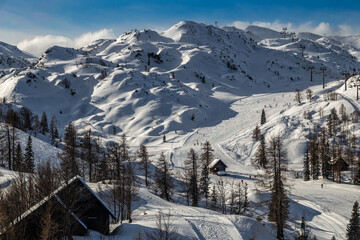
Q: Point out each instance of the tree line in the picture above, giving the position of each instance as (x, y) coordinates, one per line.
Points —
(331, 147)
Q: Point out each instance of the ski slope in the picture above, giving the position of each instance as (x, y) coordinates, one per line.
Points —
(194, 83)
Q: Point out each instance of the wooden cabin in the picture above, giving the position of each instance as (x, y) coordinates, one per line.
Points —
(73, 209)
(217, 166)
(340, 165)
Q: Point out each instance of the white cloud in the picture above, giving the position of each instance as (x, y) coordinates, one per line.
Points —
(89, 37)
(322, 28)
(38, 44)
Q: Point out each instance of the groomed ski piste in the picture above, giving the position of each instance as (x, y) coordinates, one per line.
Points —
(146, 102)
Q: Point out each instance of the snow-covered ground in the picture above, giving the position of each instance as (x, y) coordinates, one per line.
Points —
(194, 83)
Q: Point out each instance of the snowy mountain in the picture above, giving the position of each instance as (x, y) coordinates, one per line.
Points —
(151, 83)
(12, 57)
(191, 83)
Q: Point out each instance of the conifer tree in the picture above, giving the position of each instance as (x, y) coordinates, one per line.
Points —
(145, 162)
(44, 127)
(260, 156)
(279, 202)
(53, 129)
(353, 228)
(207, 155)
(263, 117)
(204, 183)
(256, 133)
(29, 156)
(103, 168)
(163, 180)
(309, 94)
(68, 164)
(342, 112)
(213, 198)
(239, 197)
(18, 160)
(306, 166)
(357, 172)
(298, 96)
(314, 158)
(192, 168)
(327, 160)
(246, 201)
(88, 153)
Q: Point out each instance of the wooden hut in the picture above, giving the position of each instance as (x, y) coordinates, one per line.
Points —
(341, 165)
(217, 166)
(72, 209)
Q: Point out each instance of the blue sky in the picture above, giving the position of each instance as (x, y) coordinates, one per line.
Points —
(27, 19)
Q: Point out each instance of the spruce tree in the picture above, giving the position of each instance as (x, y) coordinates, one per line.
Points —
(279, 201)
(207, 155)
(145, 162)
(204, 183)
(353, 228)
(246, 201)
(29, 156)
(18, 160)
(53, 129)
(103, 168)
(263, 117)
(260, 160)
(44, 127)
(357, 171)
(306, 166)
(213, 198)
(256, 133)
(192, 168)
(68, 157)
(327, 159)
(163, 180)
(314, 158)
(88, 153)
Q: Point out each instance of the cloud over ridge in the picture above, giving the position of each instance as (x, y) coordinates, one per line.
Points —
(38, 44)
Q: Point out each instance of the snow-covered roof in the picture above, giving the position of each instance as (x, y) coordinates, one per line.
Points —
(216, 161)
(54, 194)
(97, 197)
